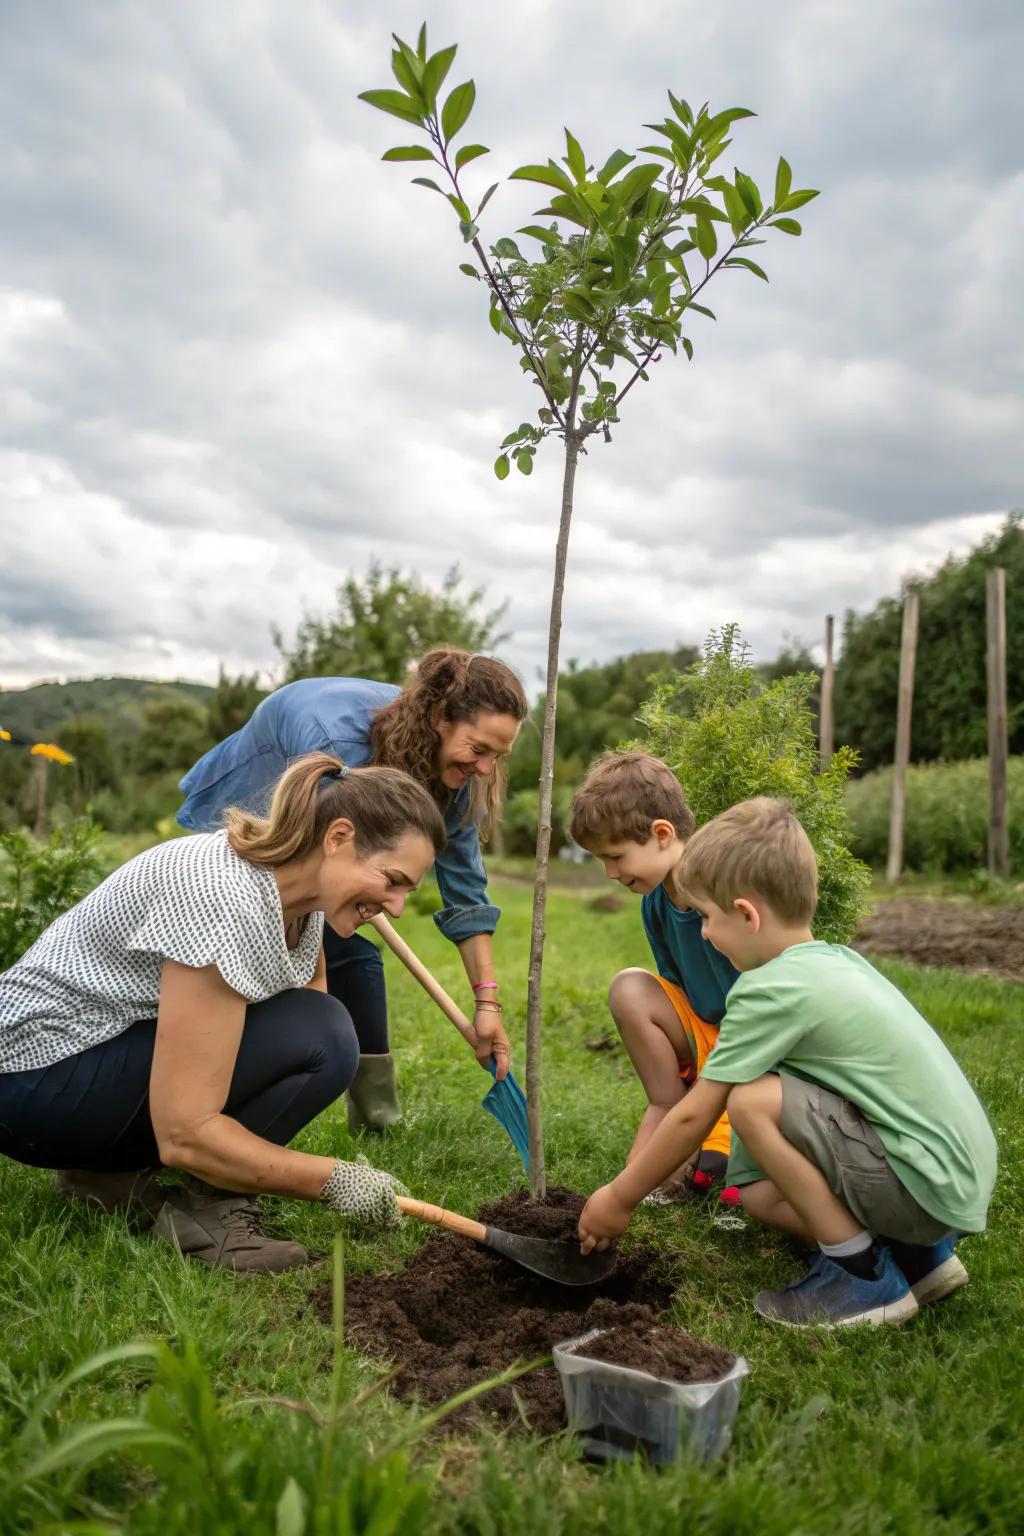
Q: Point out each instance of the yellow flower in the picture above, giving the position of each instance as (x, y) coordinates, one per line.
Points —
(4, 735)
(53, 754)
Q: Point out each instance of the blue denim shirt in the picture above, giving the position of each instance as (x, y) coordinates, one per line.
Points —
(331, 714)
(683, 956)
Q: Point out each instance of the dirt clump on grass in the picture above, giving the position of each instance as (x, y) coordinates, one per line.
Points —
(458, 1313)
(947, 933)
(663, 1351)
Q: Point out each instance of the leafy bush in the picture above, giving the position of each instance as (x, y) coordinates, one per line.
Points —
(946, 818)
(519, 820)
(727, 737)
(39, 881)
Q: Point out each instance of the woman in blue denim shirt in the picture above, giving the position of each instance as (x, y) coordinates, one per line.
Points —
(450, 727)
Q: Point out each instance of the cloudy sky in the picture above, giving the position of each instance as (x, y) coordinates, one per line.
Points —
(237, 358)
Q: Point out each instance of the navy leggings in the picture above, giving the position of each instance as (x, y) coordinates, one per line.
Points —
(355, 976)
(298, 1053)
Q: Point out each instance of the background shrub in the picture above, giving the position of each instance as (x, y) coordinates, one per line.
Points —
(946, 817)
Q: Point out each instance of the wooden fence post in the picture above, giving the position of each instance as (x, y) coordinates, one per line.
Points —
(998, 826)
(825, 725)
(904, 703)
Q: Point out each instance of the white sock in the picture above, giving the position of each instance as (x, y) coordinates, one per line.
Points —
(855, 1244)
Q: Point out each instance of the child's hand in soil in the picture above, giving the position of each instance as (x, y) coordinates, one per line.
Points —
(603, 1219)
(356, 1189)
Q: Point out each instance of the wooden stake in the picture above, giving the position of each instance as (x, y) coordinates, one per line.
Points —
(998, 746)
(825, 726)
(904, 703)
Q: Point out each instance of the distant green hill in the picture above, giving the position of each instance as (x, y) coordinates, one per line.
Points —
(37, 713)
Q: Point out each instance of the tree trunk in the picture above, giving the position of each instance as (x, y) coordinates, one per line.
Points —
(538, 1176)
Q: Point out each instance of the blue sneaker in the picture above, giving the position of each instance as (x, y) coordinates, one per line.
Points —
(828, 1296)
(932, 1272)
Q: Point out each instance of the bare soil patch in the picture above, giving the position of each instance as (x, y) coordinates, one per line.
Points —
(947, 933)
(458, 1313)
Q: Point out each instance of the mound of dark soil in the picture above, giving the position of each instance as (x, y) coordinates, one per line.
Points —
(660, 1351)
(458, 1313)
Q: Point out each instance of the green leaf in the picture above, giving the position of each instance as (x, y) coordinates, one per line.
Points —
(549, 175)
(524, 462)
(396, 103)
(469, 152)
(796, 200)
(456, 109)
(688, 347)
(751, 266)
(747, 190)
(538, 232)
(507, 248)
(736, 208)
(788, 226)
(702, 309)
(109, 1437)
(707, 240)
(408, 152)
(487, 197)
(468, 268)
(494, 317)
(575, 156)
(616, 162)
(290, 1513)
(425, 181)
(656, 149)
(720, 122)
(468, 230)
(461, 208)
(421, 43)
(502, 466)
(406, 75)
(682, 110)
(435, 72)
(783, 181)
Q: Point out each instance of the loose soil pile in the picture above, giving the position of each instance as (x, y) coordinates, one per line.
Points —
(459, 1313)
(668, 1352)
(947, 933)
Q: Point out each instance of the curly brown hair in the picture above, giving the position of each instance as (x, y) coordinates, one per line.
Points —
(459, 684)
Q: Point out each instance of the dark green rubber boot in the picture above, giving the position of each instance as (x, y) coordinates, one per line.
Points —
(372, 1098)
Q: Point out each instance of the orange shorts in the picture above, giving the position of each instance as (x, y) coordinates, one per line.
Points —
(702, 1038)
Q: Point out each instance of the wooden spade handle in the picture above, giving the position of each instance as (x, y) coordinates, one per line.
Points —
(447, 1004)
(437, 1216)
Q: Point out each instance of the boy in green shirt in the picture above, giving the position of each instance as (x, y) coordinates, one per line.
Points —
(853, 1127)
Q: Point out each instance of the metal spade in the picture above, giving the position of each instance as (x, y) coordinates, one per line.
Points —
(558, 1261)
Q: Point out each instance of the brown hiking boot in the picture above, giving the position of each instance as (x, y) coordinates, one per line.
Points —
(223, 1230)
(137, 1190)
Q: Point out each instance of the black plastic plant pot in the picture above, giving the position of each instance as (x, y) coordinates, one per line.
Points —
(617, 1413)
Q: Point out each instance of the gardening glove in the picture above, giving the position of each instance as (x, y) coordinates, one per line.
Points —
(356, 1189)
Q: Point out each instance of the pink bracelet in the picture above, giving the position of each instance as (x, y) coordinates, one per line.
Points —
(485, 986)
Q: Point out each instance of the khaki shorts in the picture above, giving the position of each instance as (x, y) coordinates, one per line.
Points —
(834, 1136)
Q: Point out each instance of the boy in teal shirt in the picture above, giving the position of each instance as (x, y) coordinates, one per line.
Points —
(853, 1127)
(630, 812)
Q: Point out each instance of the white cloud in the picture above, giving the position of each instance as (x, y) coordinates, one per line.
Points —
(237, 359)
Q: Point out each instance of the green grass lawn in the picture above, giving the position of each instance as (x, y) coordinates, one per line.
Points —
(903, 1430)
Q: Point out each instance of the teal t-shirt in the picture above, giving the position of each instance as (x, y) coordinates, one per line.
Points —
(684, 957)
(822, 1012)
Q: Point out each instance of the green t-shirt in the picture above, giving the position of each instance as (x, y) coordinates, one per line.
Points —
(821, 1012)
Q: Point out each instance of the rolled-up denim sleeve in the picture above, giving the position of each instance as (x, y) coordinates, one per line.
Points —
(462, 881)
